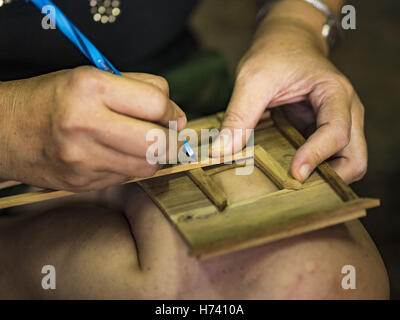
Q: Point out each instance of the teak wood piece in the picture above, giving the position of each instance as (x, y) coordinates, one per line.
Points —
(192, 204)
(325, 170)
(271, 168)
(323, 200)
(209, 187)
(46, 194)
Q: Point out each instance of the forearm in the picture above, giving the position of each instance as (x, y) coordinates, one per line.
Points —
(7, 112)
(298, 17)
(17, 120)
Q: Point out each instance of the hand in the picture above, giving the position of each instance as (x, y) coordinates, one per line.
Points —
(83, 129)
(287, 65)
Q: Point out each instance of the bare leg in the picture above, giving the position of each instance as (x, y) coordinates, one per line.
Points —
(131, 251)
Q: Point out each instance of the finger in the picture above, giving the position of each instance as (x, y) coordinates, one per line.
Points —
(351, 162)
(131, 136)
(122, 164)
(110, 180)
(333, 107)
(163, 85)
(140, 99)
(157, 81)
(248, 102)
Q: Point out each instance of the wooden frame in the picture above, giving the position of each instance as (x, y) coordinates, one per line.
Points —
(210, 225)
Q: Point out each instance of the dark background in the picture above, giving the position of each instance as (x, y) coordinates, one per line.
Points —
(370, 57)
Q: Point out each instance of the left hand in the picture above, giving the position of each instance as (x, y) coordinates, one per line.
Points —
(286, 66)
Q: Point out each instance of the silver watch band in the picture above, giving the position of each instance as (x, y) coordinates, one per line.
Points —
(330, 30)
(321, 7)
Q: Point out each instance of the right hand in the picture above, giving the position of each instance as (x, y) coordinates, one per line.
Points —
(82, 129)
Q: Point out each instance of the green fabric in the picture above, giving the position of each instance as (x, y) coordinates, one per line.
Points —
(202, 85)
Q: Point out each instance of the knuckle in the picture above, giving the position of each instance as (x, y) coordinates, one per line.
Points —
(147, 170)
(316, 157)
(360, 169)
(342, 134)
(69, 121)
(162, 104)
(342, 138)
(346, 85)
(84, 80)
(77, 182)
(71, 154)
(162, 83)
(233, 117)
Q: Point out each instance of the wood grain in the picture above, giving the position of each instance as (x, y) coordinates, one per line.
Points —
(209, 187)
(326, 171)
(272, 169)
(46, 194)
(256, 219)
(8, 184)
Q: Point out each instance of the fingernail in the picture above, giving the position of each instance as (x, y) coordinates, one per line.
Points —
(181, 123)
(304, 171)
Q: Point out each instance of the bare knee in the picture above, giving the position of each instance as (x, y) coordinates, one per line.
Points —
(334, 263)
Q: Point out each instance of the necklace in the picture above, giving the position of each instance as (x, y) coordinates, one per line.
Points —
(104, 11)
(4, 2)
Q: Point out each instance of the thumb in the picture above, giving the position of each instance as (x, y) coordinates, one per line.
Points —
(245, 109)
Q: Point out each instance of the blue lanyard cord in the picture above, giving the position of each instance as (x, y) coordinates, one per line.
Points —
(86, 47)
(73, 34)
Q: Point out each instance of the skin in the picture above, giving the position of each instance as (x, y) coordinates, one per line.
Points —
(86, 128)
(287, 63)
(115, 243)
(80, 122)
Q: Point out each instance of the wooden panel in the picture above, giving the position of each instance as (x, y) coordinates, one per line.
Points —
(271, 168)
(296, 138)
(179, 198)
(267, 219)
(255, 220)
(209, 187)
(277, 145)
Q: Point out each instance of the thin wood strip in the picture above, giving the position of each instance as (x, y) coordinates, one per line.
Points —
(46, 194)
(222, 168)
(209, 187)
(297, 139)
(264, 124)
(272, 169)
(32, 197)
(350, 210)
(8, 184)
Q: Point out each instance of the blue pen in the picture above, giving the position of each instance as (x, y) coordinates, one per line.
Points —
(86, 47)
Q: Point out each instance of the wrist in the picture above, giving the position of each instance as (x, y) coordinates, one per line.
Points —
(302, 19)
(10, 97)
(4, 132)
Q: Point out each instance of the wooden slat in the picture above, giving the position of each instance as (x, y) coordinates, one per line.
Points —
(225, 167)
(45, 194)
(209, 187)
(326, 171)
(256, 219)
(272, 169)
(8, 184)
(179, 198)
(273, 218)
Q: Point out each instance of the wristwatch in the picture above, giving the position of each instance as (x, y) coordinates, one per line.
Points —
(330, 30)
